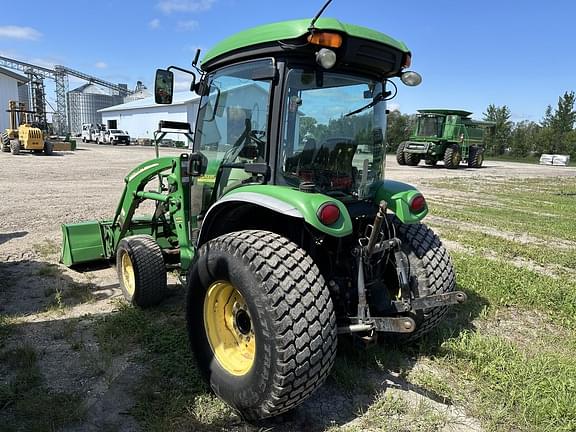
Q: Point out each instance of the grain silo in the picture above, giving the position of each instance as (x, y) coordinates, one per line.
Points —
(84, 103)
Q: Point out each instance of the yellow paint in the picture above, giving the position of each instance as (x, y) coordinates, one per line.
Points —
(128, 273)
(229, 328)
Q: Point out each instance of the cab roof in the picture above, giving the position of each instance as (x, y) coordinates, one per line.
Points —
(294, 29)
(460, 113)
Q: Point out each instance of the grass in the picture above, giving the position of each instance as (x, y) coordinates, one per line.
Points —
(25, 402)
(543, 208)
(172, 395)
(515, 389)
(508, 377)
(541, 254)
(46, 248)
(391, 412)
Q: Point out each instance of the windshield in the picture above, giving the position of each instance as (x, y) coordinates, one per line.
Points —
(333, 132)
(430, 126)
(116, 131)
(232, 125)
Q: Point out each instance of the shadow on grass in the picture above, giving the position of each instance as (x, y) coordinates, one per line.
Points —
(28, 287)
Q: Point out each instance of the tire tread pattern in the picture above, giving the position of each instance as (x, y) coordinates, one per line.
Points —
(302, 310)
(436, 272)
(149, 270)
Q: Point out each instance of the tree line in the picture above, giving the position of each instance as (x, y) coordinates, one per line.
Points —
(555, 133)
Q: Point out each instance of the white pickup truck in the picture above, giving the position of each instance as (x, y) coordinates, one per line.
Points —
(113, 136)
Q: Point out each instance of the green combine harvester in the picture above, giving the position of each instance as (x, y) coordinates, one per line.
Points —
(445, 135)
(280, 222)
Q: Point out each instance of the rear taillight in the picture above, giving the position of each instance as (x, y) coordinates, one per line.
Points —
(328, 213)
(417, 204)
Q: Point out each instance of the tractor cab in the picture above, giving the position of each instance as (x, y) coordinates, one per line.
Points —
(306, 106)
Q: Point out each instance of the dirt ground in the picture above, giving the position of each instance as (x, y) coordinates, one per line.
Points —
(40, 193)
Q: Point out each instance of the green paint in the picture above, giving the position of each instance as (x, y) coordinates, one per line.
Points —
(293, 29)
(307, 204)
(398, 196)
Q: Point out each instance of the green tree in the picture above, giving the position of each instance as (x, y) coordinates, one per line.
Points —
(499, 141)
(398, 129)
(524, 139)
(557, 133)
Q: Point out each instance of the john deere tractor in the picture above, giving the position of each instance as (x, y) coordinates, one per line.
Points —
(22, 134)
(284, 233)
(445, 135)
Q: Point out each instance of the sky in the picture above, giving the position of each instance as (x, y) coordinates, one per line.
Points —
(470, 54)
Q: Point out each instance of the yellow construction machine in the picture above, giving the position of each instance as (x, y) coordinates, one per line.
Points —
(22, 134)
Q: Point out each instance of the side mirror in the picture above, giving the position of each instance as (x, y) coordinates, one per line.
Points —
(197, 164)
(163, 86)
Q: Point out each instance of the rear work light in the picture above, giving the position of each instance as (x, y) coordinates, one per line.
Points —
(330, 40)
(328, 213)
(417, 204)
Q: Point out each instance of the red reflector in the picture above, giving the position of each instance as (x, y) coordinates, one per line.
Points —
(328, 213)
(417, 204)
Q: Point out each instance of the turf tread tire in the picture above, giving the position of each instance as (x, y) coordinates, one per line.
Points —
(432, 271)
(295, 315)
(48, 148)
(149, 270)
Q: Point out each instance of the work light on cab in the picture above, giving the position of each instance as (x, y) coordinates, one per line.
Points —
(417, 204)
(328, 213)
(326, 58)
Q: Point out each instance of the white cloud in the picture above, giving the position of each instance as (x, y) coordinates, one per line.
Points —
(154, 24)
(17, 32)
(187, 25)
(393, 106)
(101, 65)
(169, 6)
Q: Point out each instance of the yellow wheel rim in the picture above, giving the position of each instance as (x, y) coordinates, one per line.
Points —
(229, 328)
(128, 274)
(455, 158)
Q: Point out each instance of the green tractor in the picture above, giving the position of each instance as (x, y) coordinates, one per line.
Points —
(284, 233)
(445, 135)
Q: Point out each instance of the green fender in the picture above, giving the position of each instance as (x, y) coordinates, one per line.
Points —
(398, 196)
(288, 201)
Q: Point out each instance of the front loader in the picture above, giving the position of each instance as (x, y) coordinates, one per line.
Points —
(279, 221)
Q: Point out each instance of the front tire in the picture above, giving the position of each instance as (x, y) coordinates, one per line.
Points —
(452, 157)
(412, 159)
(261, 322)
(141, 270)
(431, 272)
(15, 147)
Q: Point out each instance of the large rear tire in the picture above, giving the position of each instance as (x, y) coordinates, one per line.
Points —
(141, 270)
(431, 273)
(400, 154)
(475, 157)
(452, 157)
(261, 322)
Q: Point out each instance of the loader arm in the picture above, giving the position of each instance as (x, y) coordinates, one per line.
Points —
(174, 194)
(96, 240)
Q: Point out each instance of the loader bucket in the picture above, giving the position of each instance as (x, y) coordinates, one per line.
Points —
(81, 243)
